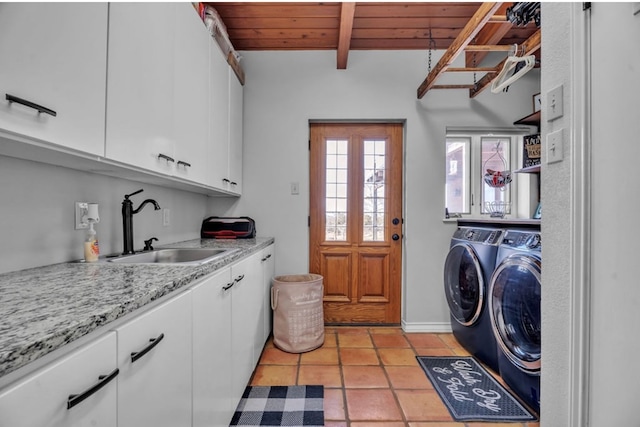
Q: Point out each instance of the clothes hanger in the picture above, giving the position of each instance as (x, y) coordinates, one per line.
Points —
(502, 81)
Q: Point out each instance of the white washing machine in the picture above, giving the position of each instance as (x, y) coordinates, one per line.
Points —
(514, 307)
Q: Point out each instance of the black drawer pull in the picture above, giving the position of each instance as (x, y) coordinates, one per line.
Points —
(266, 257)
(239, 278)
(225, 180)
(228, 286)
(167, 158)
(103, 380)
(30, 104)
(234, 183)
(152, 343)
(185, 164)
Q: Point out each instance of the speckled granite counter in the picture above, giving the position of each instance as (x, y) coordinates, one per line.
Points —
(44, 308)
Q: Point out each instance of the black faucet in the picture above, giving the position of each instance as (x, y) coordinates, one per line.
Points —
(127, 219)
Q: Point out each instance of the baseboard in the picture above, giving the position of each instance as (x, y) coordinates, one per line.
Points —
(428, 327)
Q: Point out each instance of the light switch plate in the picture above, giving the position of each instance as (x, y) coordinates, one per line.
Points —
(554, 147)
(81, 209)
(554, 103)
(295, 188)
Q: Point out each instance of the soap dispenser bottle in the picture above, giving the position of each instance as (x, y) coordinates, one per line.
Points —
(91, 248)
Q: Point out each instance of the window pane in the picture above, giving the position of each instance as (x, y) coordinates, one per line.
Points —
(457, 188)
(496, 165)
(374, 191)
(336, 190)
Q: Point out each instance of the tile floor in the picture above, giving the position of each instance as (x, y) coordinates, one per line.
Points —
(371, 377)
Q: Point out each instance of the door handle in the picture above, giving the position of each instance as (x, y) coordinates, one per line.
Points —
(395, 221)
(395, 237)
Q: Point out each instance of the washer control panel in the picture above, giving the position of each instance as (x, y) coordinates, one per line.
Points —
(524, 240)
(480, 235)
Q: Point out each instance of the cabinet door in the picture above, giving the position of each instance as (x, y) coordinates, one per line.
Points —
(246, 323)
(154, 357)
(42, 398)
(236, 105)
(268, 271)
(140, 95)
(54, 55)
(191, 95)
(212, 357)
(219, 119)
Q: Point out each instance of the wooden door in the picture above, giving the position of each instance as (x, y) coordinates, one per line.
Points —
(356, 220)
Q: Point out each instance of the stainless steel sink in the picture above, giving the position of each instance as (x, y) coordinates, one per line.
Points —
(174, 256)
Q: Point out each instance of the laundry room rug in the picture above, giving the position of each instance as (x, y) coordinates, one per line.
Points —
(281, 406)
(470, 393)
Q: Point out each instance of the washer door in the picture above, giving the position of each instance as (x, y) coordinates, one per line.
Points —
(514, 307)
(464, 284)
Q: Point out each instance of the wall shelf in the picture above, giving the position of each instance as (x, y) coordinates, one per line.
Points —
(530, 120)
(529, 169)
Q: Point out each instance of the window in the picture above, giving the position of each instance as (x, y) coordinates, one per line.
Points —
(479, 172)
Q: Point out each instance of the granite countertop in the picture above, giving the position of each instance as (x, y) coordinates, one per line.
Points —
(44, 308)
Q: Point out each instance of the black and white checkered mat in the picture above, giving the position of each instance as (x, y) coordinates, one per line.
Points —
(281, 406)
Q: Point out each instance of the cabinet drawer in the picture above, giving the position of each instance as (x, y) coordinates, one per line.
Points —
(42, 398)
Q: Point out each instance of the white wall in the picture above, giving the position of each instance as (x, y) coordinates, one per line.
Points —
(37, 213)
(609, 396)
(284, 90)
(616, 198)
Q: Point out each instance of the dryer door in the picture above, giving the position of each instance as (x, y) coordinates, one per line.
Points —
(464, 284)
(514, 306)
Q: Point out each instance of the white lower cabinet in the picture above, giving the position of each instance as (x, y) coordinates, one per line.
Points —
(268, 262)
(246, 321)
(212, 354)
(185, 362)
(154, 357)
(43, 398)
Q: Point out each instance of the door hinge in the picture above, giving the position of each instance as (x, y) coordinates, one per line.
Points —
(586, 5)
(309, 145)
(309, 221)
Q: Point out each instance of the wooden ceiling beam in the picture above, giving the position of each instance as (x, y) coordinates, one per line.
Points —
(490, 35)
(475, 24)
(529, 47)
(347, 12)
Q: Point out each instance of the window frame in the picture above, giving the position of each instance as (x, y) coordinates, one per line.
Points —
(473, 203)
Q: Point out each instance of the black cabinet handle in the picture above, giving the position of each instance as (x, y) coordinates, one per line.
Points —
(239, 278)
(152, 343)
(234, 183)
(30, 104)
(167, 158)
(225, 180)
(103, 380)
(228, 286)
(266, 257)
(185, 164)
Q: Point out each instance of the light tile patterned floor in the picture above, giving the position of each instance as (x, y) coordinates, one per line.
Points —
(371, 377)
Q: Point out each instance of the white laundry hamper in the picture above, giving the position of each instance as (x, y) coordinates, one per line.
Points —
(298, 317)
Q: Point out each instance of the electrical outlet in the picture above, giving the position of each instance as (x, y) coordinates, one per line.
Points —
(81, 210)
(166, 217)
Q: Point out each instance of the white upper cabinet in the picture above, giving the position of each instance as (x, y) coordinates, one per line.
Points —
(54, 55)
(236, 104)
(140, 87)
(191, 95)
(219, 118)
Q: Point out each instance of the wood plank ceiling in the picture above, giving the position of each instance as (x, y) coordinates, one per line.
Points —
(456, 27)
